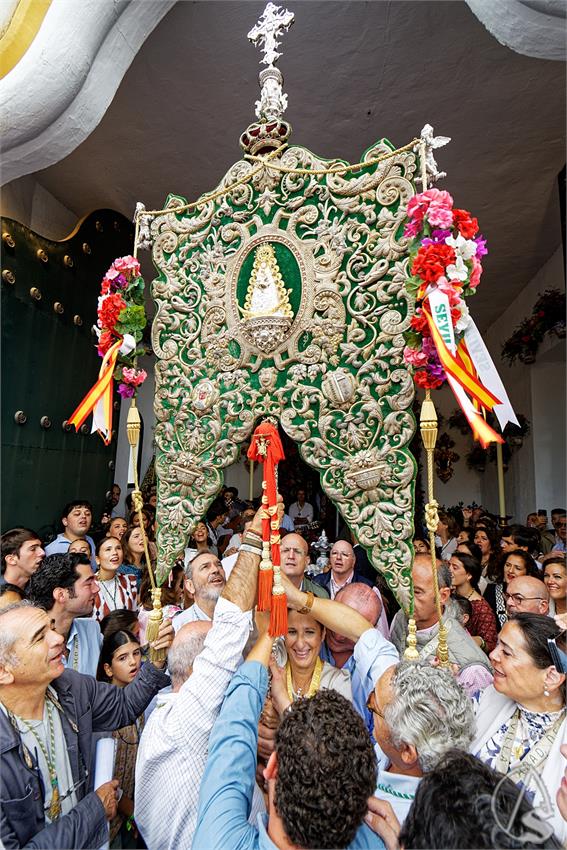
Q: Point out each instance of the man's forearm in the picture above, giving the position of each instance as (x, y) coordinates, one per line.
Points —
(335, 616)
(241, 585)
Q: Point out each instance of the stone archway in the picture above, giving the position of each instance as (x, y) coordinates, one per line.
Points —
(284, 296)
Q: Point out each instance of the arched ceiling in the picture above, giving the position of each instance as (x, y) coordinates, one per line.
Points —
(354, 72)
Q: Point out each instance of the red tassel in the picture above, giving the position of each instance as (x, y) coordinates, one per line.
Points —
(265, 579)
(278, 615)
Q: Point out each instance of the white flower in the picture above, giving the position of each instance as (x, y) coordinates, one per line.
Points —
(465, 319)
(464, 248)
(458, 271)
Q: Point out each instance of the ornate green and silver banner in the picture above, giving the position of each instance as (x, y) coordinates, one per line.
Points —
(282, 293)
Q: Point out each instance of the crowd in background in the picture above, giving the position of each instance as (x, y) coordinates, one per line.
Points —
(335, 682)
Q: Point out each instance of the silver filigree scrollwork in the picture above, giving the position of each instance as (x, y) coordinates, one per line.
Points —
(334, 378)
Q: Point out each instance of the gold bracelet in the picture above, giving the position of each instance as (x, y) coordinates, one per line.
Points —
(308, 604)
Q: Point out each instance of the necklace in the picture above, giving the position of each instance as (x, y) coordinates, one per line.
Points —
(387, 789)
(313, 687)
(104, 588)
(49, 755)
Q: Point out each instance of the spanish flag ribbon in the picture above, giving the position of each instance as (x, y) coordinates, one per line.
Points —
(460, 369)
(98, 400)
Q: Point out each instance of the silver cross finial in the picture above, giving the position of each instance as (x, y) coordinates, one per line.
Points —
(273, 23)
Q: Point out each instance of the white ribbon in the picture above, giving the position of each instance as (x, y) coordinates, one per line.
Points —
(487, 373)
(441, 315)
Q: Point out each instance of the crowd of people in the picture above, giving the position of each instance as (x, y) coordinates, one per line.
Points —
(325, 738)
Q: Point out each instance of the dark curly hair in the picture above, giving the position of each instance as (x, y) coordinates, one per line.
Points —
(464, 803)
(530, 565)
(326, 771)
(58, 570)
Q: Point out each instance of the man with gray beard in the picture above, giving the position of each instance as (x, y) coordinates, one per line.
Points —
(205, 580)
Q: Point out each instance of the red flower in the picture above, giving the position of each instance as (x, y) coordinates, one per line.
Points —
(110, 309)
(455, 315)
(419, 324)
(431, 261)
(105, 342)
(427, 381)
(540, 313)
(467, 226)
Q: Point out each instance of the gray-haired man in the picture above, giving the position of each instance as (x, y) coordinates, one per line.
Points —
(419, 712)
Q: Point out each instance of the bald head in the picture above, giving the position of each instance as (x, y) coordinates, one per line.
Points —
(527, 595)
(363, 599)
(186, 646)
(294, 553)
(342, 560)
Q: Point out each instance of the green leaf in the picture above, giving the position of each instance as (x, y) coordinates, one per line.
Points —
(132, 320)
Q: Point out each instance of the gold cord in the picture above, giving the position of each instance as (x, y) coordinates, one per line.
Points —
(264, 160)
(133, 426)
(428, 428)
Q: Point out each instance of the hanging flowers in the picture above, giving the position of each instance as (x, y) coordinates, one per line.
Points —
(443, 343)
(548, 315)
(120, 324)
(444, 256)
(121, 315)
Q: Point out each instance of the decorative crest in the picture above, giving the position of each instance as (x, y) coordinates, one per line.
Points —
(273, 23)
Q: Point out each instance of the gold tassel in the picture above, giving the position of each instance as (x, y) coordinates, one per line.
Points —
(133, 426)
(428, 428)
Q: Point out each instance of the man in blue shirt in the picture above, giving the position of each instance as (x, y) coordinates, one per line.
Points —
(320, 777)
(65, 587)
(76, 519)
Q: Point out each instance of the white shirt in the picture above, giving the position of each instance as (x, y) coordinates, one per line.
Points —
(173, 749)
(189, 616)
(304, 511)
(392, 784)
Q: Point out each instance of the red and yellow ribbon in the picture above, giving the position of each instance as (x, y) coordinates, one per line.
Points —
(100, 397)
(463, 380)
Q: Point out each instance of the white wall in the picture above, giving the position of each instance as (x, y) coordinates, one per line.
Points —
(536, 477)
(28, 202)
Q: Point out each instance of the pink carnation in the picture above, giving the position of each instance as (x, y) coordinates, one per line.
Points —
(440, 215)
(412, 228)
(419, 205)
(475, 273)
(451, 288)
(127, 264)
(414, 356)
(134, 377)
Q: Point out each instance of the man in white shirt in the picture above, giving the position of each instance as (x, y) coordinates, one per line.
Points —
(173, 748)
(301, 512)
(205, 580)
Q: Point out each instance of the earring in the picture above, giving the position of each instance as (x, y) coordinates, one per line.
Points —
(545, 692)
